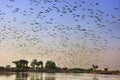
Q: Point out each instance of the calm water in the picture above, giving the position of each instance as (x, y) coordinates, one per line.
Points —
(57, 76)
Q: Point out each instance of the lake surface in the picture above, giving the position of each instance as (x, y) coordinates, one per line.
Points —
(56, 76)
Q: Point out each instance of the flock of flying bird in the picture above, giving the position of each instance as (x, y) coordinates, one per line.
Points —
(50, 35)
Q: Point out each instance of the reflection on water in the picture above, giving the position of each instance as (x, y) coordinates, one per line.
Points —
(56, 76)
(95, 78)
(6, 74)
(41, 76)
(36, 76)
(50, 78)
(21, 76)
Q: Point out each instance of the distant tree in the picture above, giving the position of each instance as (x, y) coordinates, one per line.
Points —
(105, 69)
(39, 63)
(95, 67)
(50, 64)
(8, 66)
(18, 65)
(33, 63)
(21, 64)
(24, 62)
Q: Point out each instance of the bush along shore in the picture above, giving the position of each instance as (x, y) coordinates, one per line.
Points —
(50, 67)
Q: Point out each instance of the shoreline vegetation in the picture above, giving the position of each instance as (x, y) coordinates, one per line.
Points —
(50, 67)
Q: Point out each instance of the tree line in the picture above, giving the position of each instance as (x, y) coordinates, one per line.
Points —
(22, 65)
(50, 67)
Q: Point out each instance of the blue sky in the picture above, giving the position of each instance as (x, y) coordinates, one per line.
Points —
(69, 28)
